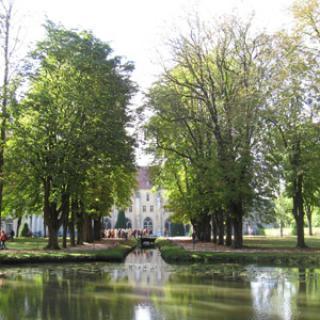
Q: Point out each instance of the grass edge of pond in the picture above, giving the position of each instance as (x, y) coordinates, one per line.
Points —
(173, 253)
(114, 254)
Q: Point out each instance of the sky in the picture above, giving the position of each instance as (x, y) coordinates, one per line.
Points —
(138, 29)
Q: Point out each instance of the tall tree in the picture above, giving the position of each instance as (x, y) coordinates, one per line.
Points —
(6, 10)
(75, 117)
(223, 70)
(292, 114)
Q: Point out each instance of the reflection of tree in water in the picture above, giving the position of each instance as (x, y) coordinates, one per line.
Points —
(309, 292)
(103, 292)
(213, 295)
(83, 294)
(285, 294)
(17, 302)
(273, 294)
(66, 294)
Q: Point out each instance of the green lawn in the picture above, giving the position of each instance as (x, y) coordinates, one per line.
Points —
(26, 243)
(29, 250)
(278, 242)
(173, 253)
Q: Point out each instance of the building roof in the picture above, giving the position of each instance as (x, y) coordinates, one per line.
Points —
(143, 177)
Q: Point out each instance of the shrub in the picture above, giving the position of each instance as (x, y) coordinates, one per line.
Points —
(25, 231)
(177, 229)
(121, 220)
(261, 231)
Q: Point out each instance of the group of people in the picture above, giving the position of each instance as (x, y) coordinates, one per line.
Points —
(126, 233)
(116, 233)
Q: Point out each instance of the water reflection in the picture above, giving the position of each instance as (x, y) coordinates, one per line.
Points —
(273, 294)
(146, 288)
(146, 268)
(285, 293)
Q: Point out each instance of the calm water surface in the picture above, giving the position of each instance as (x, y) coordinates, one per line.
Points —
(145, 288)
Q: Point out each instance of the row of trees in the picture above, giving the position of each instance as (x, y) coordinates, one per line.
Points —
(65, 149)
(236, 123)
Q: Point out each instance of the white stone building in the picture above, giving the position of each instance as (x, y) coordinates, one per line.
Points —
(147, 209)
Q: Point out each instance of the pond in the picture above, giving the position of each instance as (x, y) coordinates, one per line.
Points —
(146, 288)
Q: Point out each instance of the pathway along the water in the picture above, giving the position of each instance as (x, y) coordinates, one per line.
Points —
(146, 288)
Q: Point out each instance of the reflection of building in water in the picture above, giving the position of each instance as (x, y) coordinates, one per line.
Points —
(145, 268)
(147, 209)
(273, 294)
(147, 273)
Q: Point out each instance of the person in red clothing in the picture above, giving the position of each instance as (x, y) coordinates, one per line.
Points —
(3, 239)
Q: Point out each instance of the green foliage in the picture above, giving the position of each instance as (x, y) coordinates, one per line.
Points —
(177, 229)
(283, 210)
(121, 220)
(25, 232)
(70, 132)
(261, 231)
(172, 253)
(294, 230)
(207, 111)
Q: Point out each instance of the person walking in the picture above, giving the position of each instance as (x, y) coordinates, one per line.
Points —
(3, 239)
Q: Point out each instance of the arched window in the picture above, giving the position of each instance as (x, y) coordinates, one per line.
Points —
(147, 224)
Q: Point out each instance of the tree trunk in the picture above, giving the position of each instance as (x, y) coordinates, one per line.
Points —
(281, 229)
(74, 207)
(228, 231)
(51, 214)
(300, 231)
(214, 228)
(297, 183)
(79, 230)
(53, 243)
(18, 226)
(298, 213)
(237, 232)
(202, 227)
(80, 226)
(87, 229)
(44, 228)
(6, 28)
(237, 214)
(97, 224)
(65, 215)
(220, 229)
(309, 217)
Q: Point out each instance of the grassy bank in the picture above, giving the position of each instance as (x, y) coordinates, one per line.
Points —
(173, 253)
(289, 242)
(32, 253)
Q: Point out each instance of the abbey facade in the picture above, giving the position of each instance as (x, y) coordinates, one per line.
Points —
(147, 209)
